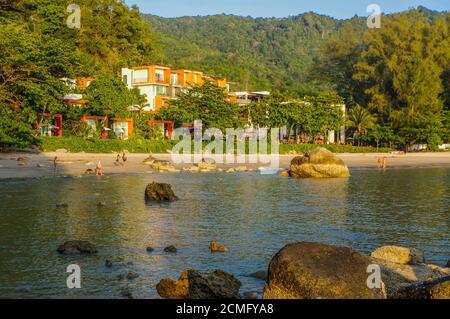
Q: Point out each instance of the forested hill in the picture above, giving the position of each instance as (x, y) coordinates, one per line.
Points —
(257, 53)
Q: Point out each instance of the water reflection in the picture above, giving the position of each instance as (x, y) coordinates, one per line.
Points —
(254, 215)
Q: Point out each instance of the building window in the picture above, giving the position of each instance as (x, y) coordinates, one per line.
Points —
(174, 79)
(159, 76)
(140, 76)
(161, 91)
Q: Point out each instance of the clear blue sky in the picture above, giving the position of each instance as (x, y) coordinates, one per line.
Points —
(279, 8)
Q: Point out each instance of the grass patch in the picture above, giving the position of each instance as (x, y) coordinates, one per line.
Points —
(78, 145)
(304, 148)
(137, 145)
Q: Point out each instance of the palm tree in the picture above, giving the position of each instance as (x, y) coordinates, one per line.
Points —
(360, 120)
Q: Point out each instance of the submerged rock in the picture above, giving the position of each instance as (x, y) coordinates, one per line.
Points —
(108, 264)
(150, 249)
(194, 284)
(63, 205)
(101, 204)
(160, 192)
(448, 264)
(216, 248)
(126, 293)
(399, 255)
(318, 163)
(76, 247)
(251, 295)
(317, 271)
(259, 275)
(170, 249)
(132, 275)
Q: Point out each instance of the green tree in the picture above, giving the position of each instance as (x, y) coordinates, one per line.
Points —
(360, 120)
(109, 96)
(207, 103)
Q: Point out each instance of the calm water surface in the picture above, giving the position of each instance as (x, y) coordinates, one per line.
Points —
(252, 214)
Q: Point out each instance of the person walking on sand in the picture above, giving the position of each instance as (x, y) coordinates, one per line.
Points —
(124, 158)
(98, 169)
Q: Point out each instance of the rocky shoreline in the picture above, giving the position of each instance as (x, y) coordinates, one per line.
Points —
(14, 166)
(306, 270)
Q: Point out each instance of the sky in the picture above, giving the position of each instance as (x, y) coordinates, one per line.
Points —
(340, 9)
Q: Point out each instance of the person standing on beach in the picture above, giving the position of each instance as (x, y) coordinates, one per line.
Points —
(124, 158)
(55, 164)
(117, 162)
(98, 169)
(384, 162)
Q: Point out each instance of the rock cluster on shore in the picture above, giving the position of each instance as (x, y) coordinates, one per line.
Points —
(318, 163)
(316, 271)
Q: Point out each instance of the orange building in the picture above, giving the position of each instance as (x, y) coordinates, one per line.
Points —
(161, 84)
(123, 128)
(83, 83)
(50, 124)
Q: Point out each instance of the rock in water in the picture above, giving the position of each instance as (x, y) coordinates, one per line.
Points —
(437, 289)
(216, 248)
(170, 249)
(397, 277)
(250, 295)
(399, 255)
(159, 192)
(205, 166)
(77, 247)
(194, 284)
(262, 275)
(132, 275)
(162, 165)
(318, 163)
(448, 264)
(318, 271)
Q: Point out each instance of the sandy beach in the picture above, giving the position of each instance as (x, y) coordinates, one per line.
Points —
(19, 165)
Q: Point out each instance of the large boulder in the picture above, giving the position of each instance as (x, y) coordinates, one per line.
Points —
(399, 255)
(159, 192)
(77, 247)
(318, 163)
(194, 284)
(315, 271)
